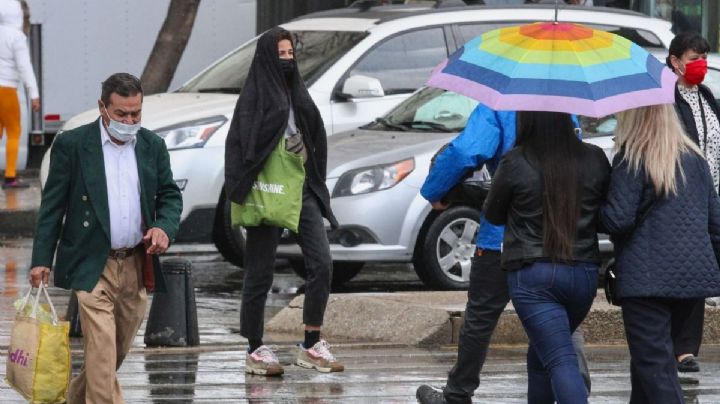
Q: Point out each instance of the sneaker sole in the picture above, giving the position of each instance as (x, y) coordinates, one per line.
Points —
(310, 365)
(263, 372)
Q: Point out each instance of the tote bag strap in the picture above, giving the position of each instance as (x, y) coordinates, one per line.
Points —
(43, 290)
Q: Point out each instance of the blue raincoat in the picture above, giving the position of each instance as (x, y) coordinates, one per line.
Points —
(486, 138)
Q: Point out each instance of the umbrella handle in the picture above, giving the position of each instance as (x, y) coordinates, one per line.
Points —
(556, 11)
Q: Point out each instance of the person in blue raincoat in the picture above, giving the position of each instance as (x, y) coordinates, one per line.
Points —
(487, 137)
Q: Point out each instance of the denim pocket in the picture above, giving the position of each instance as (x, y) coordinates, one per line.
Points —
(536, 277)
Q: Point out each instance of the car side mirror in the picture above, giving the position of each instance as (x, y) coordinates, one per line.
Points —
(362, 87)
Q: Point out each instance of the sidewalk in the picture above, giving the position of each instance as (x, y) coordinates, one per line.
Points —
(376, 371)
(435, 318)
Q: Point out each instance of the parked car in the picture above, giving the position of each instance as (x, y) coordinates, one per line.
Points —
(375, 173)
(358, 64)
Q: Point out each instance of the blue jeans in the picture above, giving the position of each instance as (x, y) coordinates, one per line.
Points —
(551, 301)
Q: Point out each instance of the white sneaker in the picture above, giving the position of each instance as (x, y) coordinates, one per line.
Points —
(318, 357)
(263, 361)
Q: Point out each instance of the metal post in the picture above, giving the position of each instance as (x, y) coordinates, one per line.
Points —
(36, 125)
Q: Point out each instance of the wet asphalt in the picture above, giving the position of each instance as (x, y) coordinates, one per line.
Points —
(375, 373)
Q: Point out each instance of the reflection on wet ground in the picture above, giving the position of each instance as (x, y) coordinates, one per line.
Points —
(375, 373)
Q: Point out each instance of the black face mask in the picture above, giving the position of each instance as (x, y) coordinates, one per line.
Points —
(288, 68)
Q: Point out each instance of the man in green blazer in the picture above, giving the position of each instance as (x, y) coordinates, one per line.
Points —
(110, 206)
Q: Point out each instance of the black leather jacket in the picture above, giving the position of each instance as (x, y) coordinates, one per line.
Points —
(516, 200)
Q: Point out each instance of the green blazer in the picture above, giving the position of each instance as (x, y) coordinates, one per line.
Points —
(76, 191)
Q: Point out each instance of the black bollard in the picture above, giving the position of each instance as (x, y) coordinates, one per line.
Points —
(173, 314)
(72, 315)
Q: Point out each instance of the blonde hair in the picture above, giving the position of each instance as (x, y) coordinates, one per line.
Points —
(654, 139)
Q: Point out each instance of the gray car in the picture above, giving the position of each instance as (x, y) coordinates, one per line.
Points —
(374, 175)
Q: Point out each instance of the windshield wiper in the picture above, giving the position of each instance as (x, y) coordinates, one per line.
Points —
(431, 125)
(224, 90)
(386, 122)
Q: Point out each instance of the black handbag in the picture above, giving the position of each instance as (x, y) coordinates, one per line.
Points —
(611, 283)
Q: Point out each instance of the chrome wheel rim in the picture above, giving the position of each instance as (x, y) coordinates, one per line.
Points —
(455, 247)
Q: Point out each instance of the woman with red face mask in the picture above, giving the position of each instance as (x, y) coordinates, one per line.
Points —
(698, 112)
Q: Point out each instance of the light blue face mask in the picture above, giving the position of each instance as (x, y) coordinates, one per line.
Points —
(121, 131)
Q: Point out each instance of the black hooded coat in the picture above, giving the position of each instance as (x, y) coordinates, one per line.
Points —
(260, 118)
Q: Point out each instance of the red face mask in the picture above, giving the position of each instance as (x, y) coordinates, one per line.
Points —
(695, 71)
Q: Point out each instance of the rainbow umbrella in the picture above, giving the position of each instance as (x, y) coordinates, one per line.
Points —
(558, 67)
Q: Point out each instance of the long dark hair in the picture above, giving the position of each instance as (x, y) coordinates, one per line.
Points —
(550, 144)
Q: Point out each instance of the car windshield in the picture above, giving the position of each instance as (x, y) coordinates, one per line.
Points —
(430, 109)
(315, 52)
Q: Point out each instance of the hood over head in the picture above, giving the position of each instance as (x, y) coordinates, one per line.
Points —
(261, 114)
(11, 14)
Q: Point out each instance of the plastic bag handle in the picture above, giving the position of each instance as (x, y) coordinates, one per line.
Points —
(43, 289)
(25, 299)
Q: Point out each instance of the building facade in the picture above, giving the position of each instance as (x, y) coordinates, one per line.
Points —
(686, 15)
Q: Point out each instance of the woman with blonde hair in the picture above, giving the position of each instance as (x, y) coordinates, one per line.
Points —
(663, 215)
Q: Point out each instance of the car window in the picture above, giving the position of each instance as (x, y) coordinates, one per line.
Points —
(429, 109)
(644, 38)
(449, 109)
(403, 63)
(470, 31)
(315, 51)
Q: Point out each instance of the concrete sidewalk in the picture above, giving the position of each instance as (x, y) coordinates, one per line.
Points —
(434, 318)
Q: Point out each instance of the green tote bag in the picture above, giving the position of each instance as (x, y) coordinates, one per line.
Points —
(276, 196)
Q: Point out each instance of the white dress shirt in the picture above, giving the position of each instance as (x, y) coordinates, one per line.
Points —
(123, 186)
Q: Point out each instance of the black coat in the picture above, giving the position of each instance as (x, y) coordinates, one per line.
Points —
(671, 251)
(260, 118)
(516, 200)
(685, 112)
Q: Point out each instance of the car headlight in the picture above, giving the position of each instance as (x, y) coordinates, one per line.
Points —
(371, 179)
(192, 134)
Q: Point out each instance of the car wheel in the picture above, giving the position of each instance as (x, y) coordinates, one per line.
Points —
(229, 239)
(343, 271)
(442, 260)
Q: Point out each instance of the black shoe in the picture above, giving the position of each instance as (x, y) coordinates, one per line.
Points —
(429, 395)
(688, 365)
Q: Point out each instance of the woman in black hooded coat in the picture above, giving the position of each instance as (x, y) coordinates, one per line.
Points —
(275, 102)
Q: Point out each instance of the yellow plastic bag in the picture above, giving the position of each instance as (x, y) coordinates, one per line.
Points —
(38, 364)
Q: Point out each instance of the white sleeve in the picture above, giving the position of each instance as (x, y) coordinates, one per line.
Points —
(24, 67)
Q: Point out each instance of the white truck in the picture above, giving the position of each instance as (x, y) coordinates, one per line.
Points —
(76, 44)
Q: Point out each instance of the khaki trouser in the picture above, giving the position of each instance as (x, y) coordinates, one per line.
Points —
(110, 317)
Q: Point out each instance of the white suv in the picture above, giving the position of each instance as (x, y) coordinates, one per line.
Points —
(358, 64)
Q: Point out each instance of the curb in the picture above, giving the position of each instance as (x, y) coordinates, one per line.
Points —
(381, 317)
(17, 223)
(19, 207)
(435, 318)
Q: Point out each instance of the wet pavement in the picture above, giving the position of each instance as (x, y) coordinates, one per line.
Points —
(375, 373)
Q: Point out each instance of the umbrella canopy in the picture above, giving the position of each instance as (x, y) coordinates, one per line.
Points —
(559, 67)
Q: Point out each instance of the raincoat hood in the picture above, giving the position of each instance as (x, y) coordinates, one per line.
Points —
(11, 14)
(260, 117)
